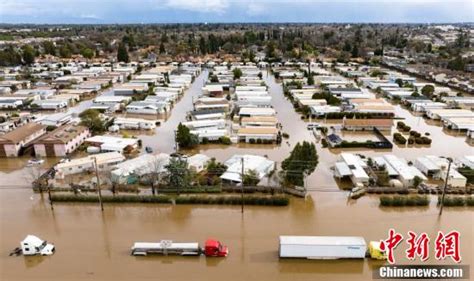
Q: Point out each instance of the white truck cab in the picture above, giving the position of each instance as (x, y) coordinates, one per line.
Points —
(33, 245)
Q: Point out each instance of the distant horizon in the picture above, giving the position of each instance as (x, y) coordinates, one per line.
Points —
(57, 12)
(230, 23)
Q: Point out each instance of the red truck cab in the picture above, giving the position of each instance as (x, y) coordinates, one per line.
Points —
(214, 248)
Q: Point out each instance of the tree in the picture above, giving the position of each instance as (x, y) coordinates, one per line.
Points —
(184, 138)
(49, 48)
(428, 90)
(154, 174)
(87, 53)
(178, 174)
(417, 181)
(122, 53)
(399, 82)
(237, 73)
(310, 79)
(162, 48)
(91, 119)
(302, 161)
(65, 51)
(251, 178)
(28, 54)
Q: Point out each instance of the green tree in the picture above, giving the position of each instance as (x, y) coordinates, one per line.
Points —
(184, 138)
(417, 181)
(237, 73)
(49, 48)
(428, 90)
(122, 53)
(87, 53)
(29, 54)
(178, 175)
(65, 51)
(91, 119)
(251, 178)
(162, 48)
(302, 161)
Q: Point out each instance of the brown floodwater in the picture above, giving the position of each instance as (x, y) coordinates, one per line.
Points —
(95, 246)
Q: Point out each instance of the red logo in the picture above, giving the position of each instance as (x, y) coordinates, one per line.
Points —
(448, 246)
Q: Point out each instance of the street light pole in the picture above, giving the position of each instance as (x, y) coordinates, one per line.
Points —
(445, 186)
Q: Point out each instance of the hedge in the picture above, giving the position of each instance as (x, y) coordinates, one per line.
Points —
(401, 201)
(457, 201)
(276, 200)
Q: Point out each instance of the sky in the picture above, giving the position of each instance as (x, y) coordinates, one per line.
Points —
(192, 11)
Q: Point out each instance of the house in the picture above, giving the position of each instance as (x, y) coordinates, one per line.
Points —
(261, 165)
(211, 134)
(134, 123)
(10, 103)
(205, 124)
(14, 141)
(254, 111)
(105, 161)
(250, 134)
(213, 90)
(61, 141)
(109, 143)
(406, 173)
(130, 171)
(445, 113)
(128, 89)
(259, 121)
(197, 162)
(144, 107)
(210, 114)
(321, 110)
(437, 167)
(212, 103)
(56, 119)
(51, 104)
(367, 124)
(351, 166)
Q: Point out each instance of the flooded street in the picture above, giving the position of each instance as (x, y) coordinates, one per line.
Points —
(96, 246)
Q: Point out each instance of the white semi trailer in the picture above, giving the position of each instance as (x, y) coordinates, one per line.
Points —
(322, 247)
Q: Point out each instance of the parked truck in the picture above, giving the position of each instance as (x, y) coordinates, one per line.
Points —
(322, 247)
(212, 248)
(33, 245)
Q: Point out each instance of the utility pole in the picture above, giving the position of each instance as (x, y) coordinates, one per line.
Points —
(49, 197)
(445, 186)
(242, 189)
(98, 184)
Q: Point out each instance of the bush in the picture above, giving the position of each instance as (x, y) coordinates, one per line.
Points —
(252, 141)
(324, 143)
(259, 141)
(205, 140)
(277, 200)
(285, 135)
(411, 140)
(401, 201)
(225, 140)
(399, 138)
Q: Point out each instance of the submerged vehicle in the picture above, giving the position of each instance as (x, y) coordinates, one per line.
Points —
(33, 245)
(212, 248)
(35, 161)
(328, 247)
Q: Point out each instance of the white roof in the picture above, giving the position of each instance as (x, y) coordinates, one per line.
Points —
(343, 169)
(32, 240)
(323, 240)
(257, 111)
(142, 165)
(259, 164)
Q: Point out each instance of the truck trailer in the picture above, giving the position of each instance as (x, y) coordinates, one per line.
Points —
(322, 247)
(212, 248)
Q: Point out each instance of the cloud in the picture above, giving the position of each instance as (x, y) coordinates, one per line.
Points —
(205, 6)
(255, 9)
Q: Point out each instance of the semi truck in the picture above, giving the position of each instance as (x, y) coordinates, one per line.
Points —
(33, 245)
(326, 247)
(212, 248)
